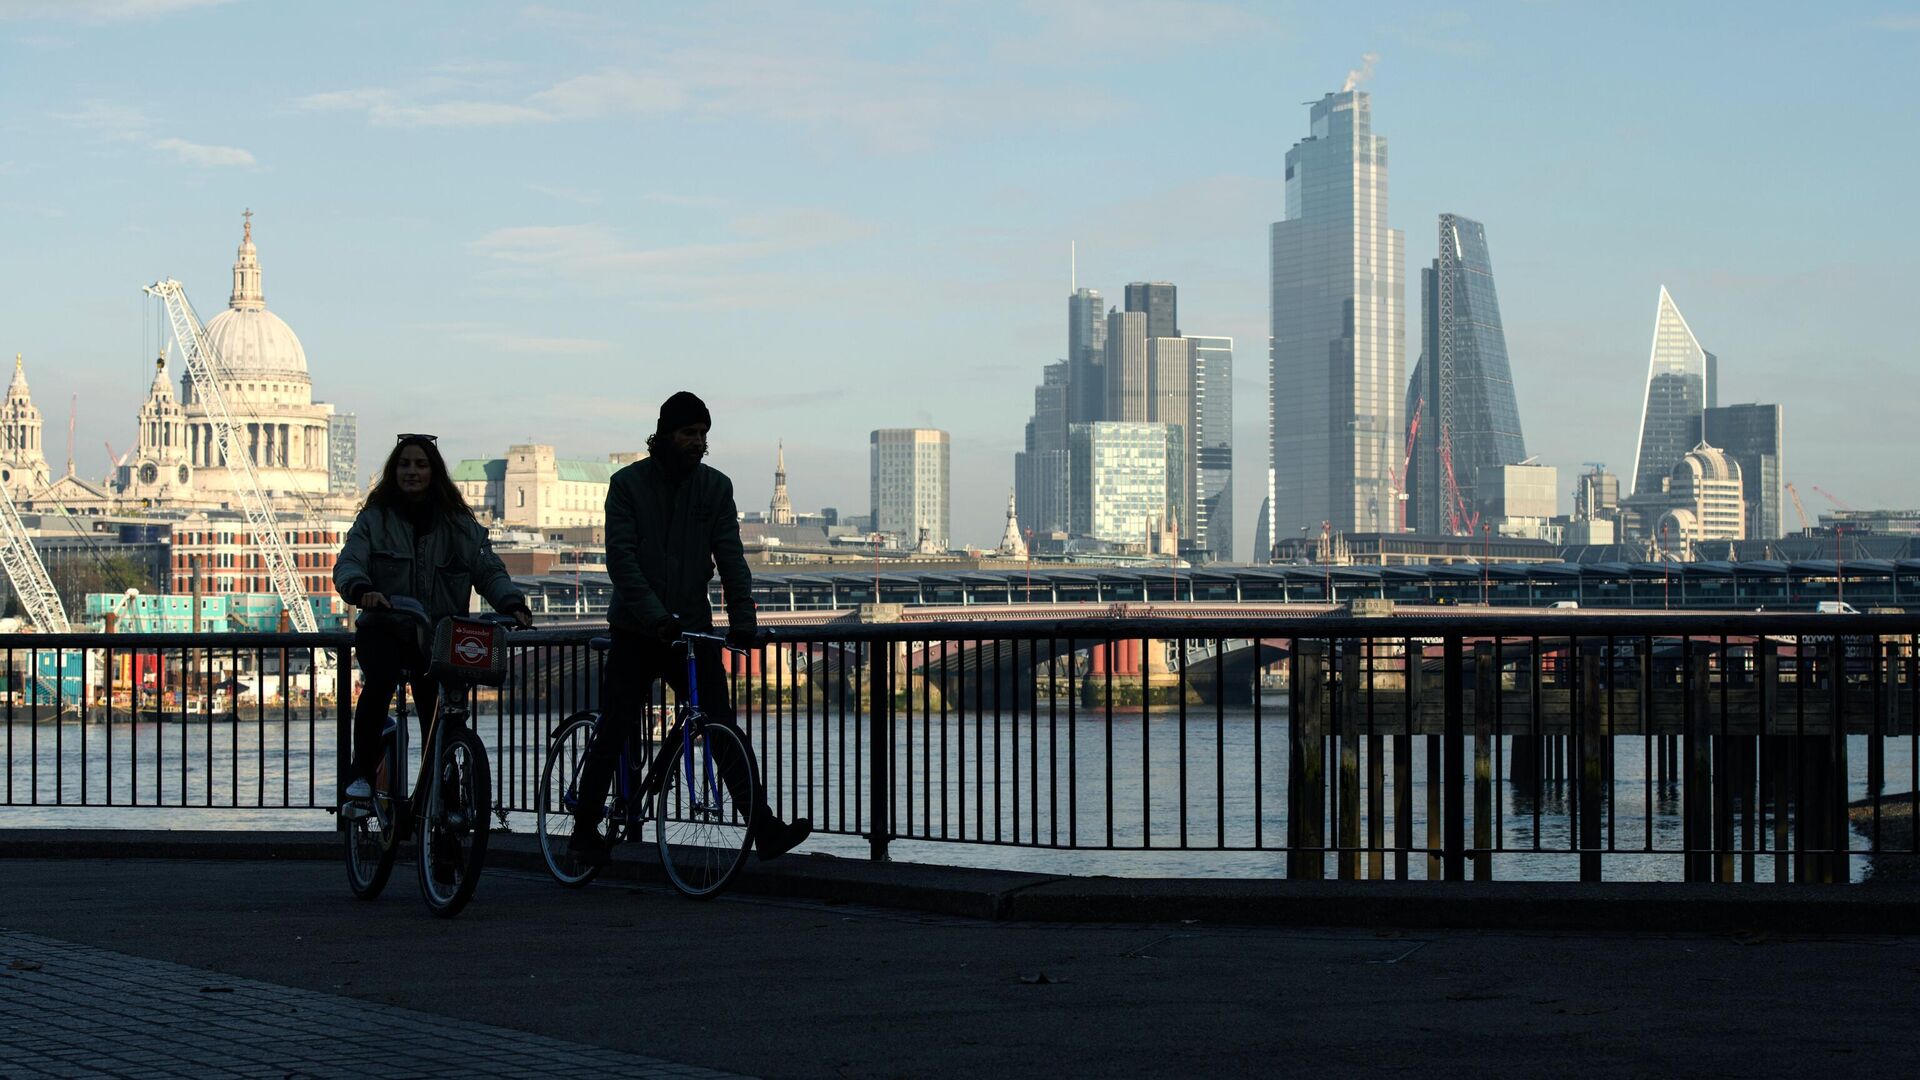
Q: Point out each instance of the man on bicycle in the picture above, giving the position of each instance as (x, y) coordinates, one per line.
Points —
(670, 524)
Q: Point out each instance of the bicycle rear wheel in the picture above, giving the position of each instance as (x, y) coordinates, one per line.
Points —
(455, 825)
(371, 839)
(558, 798)
(702, 831)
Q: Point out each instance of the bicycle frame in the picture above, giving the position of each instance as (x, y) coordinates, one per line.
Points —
(410, 808)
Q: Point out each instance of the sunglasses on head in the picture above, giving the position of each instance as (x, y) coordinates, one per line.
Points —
(416, 435)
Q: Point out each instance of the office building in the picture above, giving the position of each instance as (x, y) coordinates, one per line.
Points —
(1682, 382)
(1040, 471)
(1210, 461)
(1127, 494)
(1705, 504)
(1128, 389)
(1462, 387)
(1086, 357)
(1517, 500)
(1338, 330)
(908, 481)
(1596, 496)
(1751, 435)
(1159, 302)
(343, 454)
(533, 487)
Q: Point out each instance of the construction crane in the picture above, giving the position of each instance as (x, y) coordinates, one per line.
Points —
(1399, 480)
(27, 573)
(1830, 497)
(1798, 509)
(203, 366)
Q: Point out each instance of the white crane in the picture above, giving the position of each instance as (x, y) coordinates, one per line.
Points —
(27, 573)
(203, 365)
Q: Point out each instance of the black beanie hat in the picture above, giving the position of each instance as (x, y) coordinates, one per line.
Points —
(681, 410)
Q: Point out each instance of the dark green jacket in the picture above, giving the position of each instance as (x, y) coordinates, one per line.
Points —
(439, 569)
(664, 542)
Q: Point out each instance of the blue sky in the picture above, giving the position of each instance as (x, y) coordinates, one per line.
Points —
(510, 222)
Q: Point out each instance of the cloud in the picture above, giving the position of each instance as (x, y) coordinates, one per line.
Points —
(507, 342)
(385, 108)
(99, 11)
(120, 123)
(1901, 23)
(203, 155)
(582, 198)
(609, 92)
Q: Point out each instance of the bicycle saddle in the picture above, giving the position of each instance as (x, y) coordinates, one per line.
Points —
(601, 643)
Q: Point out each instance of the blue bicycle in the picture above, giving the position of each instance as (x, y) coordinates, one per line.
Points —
(673, 780)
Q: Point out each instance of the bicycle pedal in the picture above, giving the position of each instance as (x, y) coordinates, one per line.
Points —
(356, 810)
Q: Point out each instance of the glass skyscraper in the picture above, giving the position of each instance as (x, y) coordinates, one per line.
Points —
(1131, 476)
(1210, 461)
(1160, 302)
(1040, 472)
(343, 454)
(1462, 387)
(1681, 386)
(1751, 435)
(1338, 330)
(1086, 357)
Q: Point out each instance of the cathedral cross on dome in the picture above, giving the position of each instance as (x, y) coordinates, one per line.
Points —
(247, 228)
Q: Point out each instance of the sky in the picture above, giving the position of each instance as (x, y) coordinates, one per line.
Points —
(505, 222)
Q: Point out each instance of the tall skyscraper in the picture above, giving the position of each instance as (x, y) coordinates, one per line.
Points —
(1682, 383)
(1338, 329)
(343, 454)
(1128, 468)
(1462, 387)
(1210, 461)
(1086, 357)
(1128, 390)
(908, 481)
(1040, 471)
(1159, 301)
(1752, 436)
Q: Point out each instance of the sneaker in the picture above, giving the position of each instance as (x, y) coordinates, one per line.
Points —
(778, 838)
(360, 789)
(587, 845)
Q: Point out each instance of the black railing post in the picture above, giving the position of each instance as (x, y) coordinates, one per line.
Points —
(1453, 739)
(1306, 772)
(1590, 767)
(1696, 767)
(880, 752)
(1485, 676)
(343, 717)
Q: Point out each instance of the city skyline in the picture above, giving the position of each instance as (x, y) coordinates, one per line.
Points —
(401, 240)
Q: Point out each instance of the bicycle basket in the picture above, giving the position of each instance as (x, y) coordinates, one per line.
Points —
(469, 650)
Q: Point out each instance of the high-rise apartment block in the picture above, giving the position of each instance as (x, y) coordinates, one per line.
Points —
(1159, 301)
(1462, 386)
(1682, 383)
(1130, 472)
(1210, 460)
(343, 454)
(1751, 435)
(1338, 329)
(908, 480)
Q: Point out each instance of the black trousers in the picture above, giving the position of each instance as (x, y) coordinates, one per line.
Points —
(633, 664)
(383, 650)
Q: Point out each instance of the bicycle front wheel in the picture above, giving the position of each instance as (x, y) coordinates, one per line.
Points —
(559, 797)
(455, 827)
(703, 832)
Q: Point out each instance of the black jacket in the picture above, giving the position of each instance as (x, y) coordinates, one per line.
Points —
(664, 542)
(438, 569)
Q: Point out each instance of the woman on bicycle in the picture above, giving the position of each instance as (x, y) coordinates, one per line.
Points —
(414, 537)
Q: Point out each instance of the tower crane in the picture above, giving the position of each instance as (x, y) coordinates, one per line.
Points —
(27, 573)
(1399, 480)
(1830, 497)
(1799, 511)
(203, 365)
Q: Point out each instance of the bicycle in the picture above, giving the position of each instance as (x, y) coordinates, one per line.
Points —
(701, 831)
(452, 795)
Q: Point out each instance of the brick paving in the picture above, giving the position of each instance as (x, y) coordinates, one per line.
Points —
(69, 1010)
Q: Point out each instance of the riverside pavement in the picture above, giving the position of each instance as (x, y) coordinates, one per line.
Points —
(820, 968)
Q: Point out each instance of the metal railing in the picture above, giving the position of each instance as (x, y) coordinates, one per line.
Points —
(1695, 747)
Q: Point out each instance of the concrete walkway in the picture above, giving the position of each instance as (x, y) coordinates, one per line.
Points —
(788, 987)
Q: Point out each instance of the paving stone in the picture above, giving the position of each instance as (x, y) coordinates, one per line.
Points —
(90, 1012)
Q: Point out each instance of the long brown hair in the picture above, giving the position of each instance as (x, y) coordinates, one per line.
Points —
(442, 495)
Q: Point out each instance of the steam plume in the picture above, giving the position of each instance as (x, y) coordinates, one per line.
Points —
(1364, 72)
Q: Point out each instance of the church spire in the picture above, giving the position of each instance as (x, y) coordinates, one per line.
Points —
(780, 510)
(19, 385)
(1011, 545)
(246, 272)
